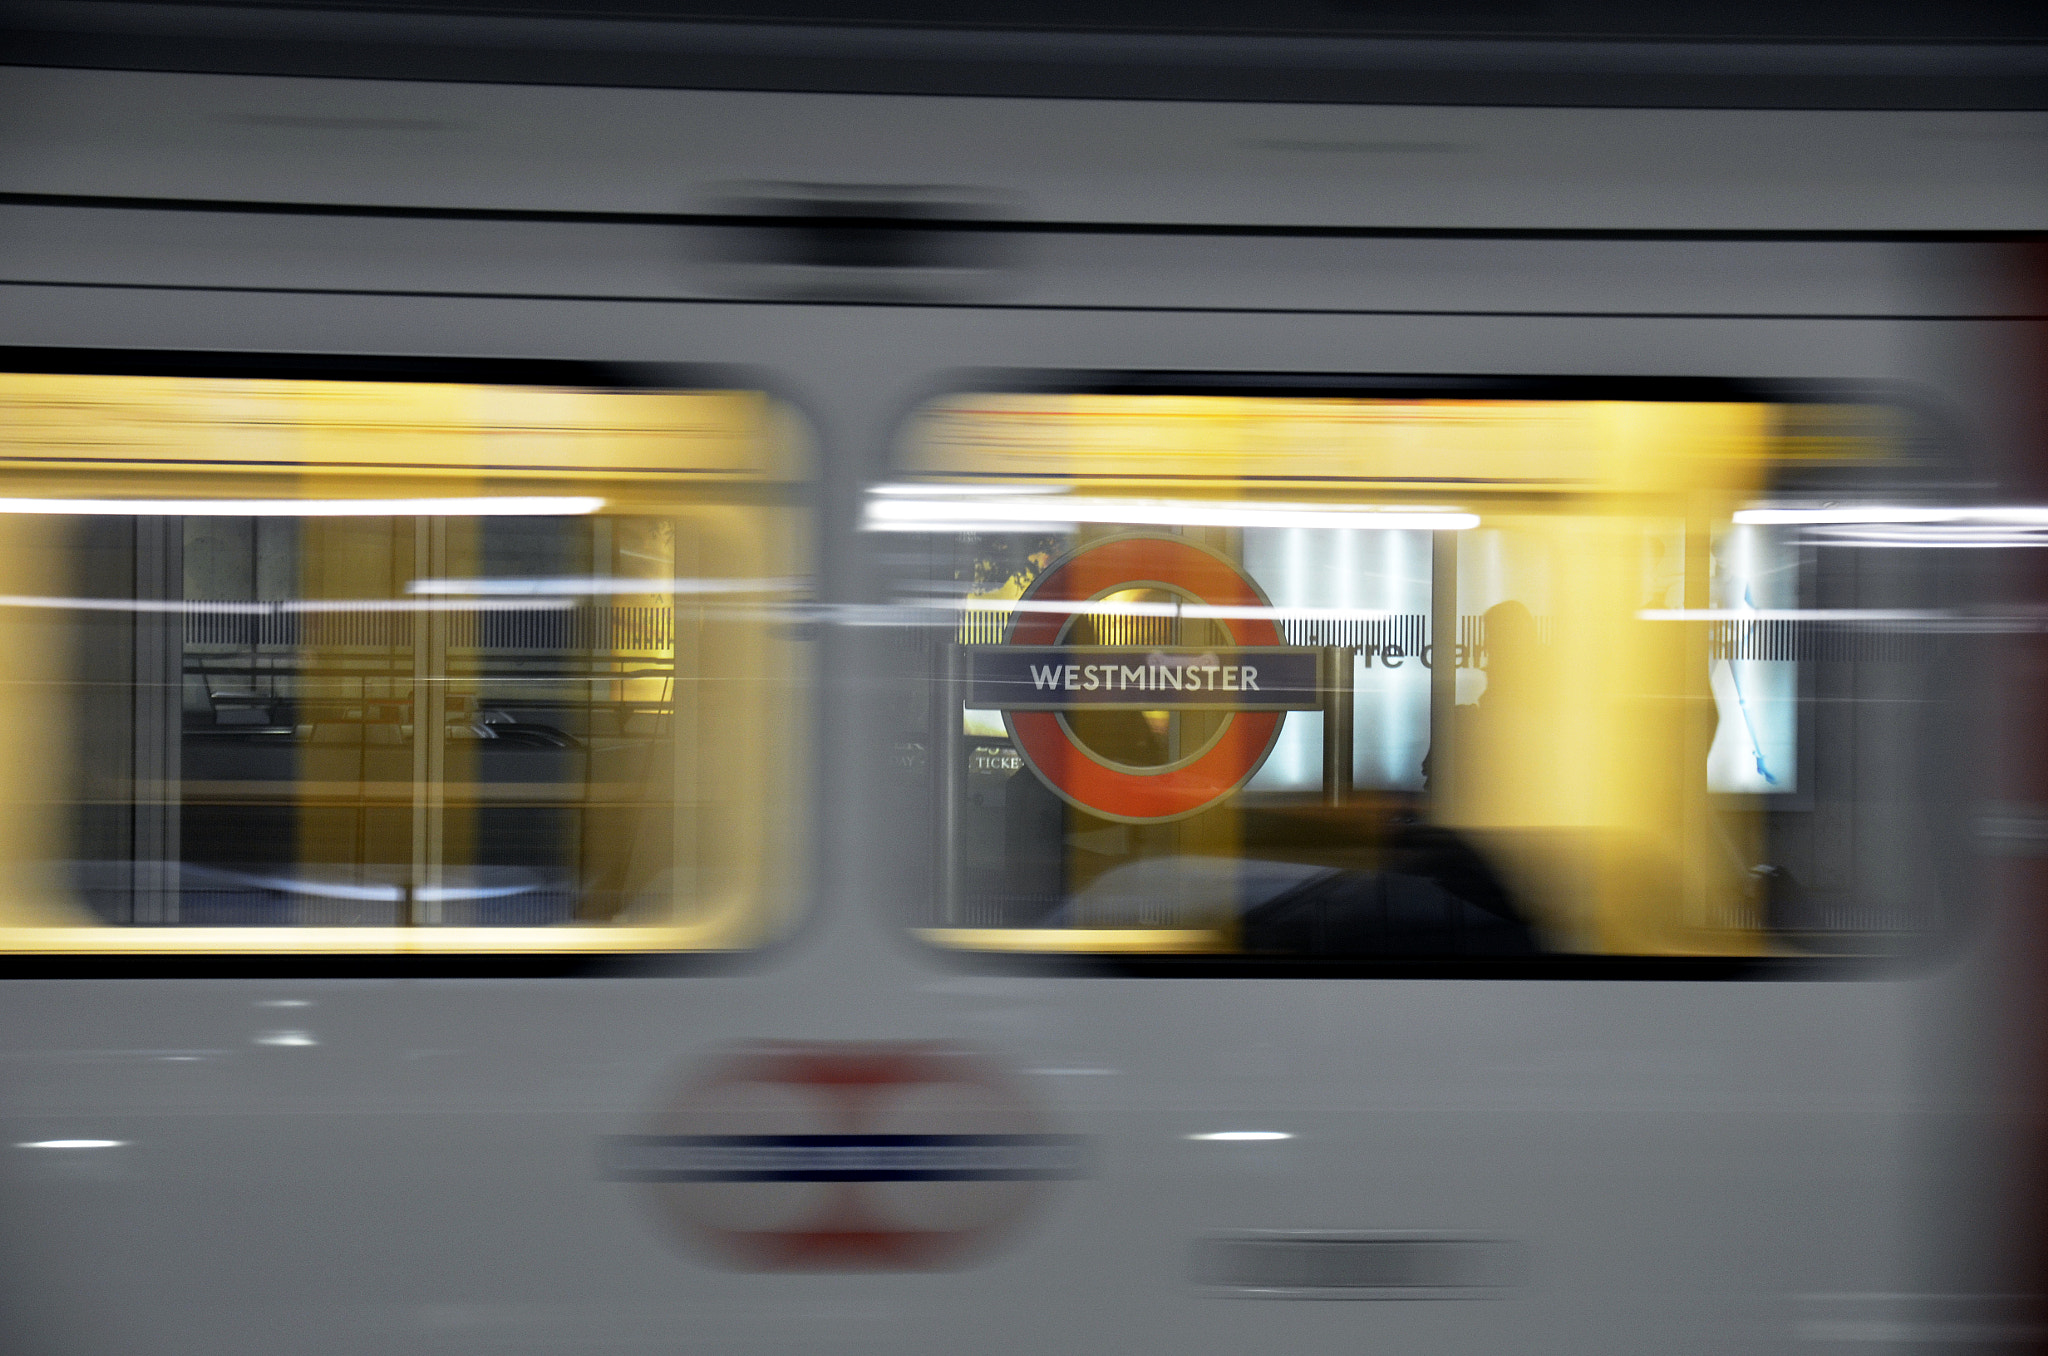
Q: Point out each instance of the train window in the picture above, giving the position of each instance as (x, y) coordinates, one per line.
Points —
(395, 666)
(1415, 676)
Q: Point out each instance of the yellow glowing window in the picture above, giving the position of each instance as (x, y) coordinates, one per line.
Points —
(1369, 678)
(362, 667)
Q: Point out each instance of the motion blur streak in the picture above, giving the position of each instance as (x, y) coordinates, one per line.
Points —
(71, 1144)
(530, 506)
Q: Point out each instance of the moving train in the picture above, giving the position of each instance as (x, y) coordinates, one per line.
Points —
(728, 686)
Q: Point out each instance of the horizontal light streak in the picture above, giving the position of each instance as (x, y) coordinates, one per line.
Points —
(1980, 527)
(70, 1143)
(918, 614)
(1241, 1136)
(949, 612)
(1835, 614)
(1864, 513)
(495, 506)
(937, 513)
(276, 609)
(1942, 536)
(967, 492)
(1900, 514)
(1045, 527)
(374, 892)
(600, 585)
(393, 893)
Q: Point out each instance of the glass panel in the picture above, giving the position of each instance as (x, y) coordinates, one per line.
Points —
(1191, 695)
(473, 703)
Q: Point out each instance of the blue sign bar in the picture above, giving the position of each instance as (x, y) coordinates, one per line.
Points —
(1141, 678)
(844, 1158)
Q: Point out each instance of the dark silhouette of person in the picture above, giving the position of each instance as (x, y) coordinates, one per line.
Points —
(1426, 893)
(1434, 893)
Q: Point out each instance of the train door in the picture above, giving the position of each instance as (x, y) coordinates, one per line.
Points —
(1432, 795)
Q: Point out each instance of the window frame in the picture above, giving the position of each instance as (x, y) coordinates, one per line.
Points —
(788, 915)
(1937, 441)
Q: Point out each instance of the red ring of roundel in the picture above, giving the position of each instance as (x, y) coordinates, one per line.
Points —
(1169, 794)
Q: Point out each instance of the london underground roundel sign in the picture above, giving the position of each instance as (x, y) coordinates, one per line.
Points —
(846, 1156)
(1037, 679)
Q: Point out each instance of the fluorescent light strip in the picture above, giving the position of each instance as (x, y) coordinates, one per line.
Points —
(207, 609)
(1841, 614)
(507, 506)
(940, 490)
(1875, 514)
(931, 514)
(596, 585)
(1242, 1136)
(948, 614)
(1041, 527)
(427, 605)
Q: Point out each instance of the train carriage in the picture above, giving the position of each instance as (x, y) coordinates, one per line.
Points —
(823, 718)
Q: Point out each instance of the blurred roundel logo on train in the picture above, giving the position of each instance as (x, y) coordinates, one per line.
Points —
(1085, 677)
(845, 1157)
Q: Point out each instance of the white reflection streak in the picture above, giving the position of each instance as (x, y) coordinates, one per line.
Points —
(425, 605)
(796, 609)
(1242, 1136)
(281, 608)
(1836, 614)
(1949, 536)
(502, 506)
(2013, 515)
(1046, 527)
(594, 585)
(1855, 513)
(892, 511)
(1982, 526)
(917, 491)
(378, 894)
(947, 613)
(70, 1143)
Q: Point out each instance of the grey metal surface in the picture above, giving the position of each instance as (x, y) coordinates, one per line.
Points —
(1306, 1264)
(1198, 165)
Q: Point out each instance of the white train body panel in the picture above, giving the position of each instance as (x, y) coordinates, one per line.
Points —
(413, 1165)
